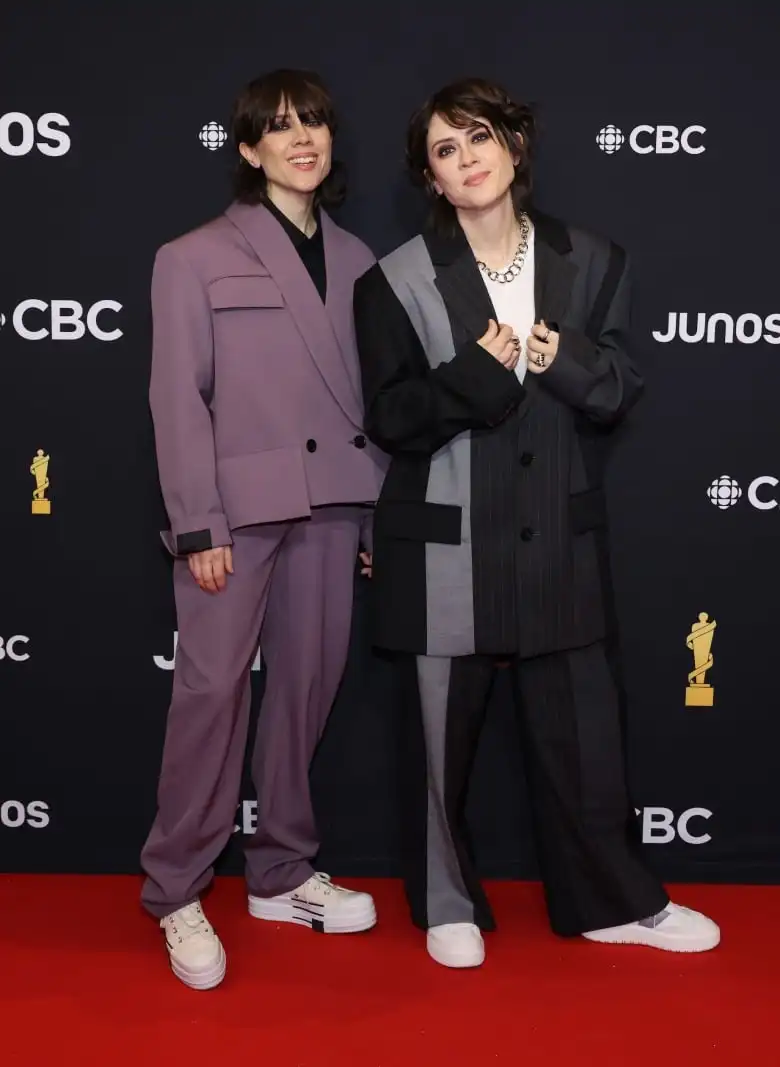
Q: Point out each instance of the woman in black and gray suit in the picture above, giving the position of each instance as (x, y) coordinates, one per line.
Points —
(494, 358)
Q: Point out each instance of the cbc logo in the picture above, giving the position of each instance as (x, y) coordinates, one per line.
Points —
(19, 134)
(663, 140)
(13, 814)
(725, 491)
(213, 136)
(168, 664)
(63, 320)
(660, 826)
(15, 648)
(720, 329)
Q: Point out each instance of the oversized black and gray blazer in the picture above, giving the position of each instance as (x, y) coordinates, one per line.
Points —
(490, 530)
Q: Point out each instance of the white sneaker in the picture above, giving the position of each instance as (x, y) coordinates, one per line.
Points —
(456, 945)
(675, 929)
(319, 904)
(196, 953)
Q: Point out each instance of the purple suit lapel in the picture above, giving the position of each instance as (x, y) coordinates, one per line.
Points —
(314, 321)
(338, 301)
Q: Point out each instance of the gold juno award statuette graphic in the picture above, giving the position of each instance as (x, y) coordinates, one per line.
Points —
(39, 469)
(699, 694)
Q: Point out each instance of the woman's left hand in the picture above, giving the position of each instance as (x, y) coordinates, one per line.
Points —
(541, 348)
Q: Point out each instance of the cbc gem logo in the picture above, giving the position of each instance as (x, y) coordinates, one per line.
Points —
(63, 320)
(610, 139)
(662, 140)
(21, 134)
(213, 136)
(724, 492)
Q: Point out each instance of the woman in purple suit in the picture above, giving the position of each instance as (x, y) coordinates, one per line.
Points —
(268, 482)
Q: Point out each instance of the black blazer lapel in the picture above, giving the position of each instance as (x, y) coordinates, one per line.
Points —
(274, 249)
(460, 283)
(554, 271)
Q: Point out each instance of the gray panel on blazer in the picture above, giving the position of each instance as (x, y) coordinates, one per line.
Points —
(448, 568)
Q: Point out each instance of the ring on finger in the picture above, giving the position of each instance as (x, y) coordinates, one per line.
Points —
(539, 361)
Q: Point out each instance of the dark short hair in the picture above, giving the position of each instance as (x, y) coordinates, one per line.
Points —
(461, 104)
(254, 110)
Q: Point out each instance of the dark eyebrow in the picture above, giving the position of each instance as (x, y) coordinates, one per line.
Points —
(448, 140)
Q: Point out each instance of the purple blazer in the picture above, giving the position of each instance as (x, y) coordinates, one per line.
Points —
(255, 387)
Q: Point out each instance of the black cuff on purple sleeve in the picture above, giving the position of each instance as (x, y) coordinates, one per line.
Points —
(194, 541)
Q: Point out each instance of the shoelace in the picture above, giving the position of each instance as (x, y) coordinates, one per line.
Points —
(194, 923)
(327, 883)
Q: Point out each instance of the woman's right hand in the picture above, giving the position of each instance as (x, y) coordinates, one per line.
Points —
(502, 343)
(209, 568)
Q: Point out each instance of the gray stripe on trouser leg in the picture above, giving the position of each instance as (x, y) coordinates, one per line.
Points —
(447, 900)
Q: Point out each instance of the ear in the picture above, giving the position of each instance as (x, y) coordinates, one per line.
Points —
(250, 154)
(433, 185)
(517, 155)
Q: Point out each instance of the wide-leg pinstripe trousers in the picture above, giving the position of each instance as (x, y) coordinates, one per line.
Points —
(587, 838)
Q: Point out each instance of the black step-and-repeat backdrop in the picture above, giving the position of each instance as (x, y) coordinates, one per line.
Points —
(659, 129)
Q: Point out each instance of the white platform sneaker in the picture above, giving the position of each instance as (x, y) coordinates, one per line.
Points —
(196, 954)
(319, 904)
(675, 929)
(456, 945)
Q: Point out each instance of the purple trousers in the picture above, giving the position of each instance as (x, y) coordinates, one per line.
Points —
(292, 586)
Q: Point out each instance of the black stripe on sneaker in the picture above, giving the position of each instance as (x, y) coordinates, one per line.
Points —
(309, 909)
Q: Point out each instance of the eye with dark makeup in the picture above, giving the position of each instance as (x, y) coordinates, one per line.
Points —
(478, 136)
(282, 122)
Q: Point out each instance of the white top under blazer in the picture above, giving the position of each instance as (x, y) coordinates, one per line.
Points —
(514, 302)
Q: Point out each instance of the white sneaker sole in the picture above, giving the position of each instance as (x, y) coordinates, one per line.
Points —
(475, 959)
(207, 979)
(350, 920)
(655, 938)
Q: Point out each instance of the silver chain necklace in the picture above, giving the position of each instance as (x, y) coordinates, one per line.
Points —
(514, 268)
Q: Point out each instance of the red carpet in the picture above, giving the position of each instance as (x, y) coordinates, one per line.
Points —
(84, 980)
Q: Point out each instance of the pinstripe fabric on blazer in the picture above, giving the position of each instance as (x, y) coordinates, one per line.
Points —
(490, 532)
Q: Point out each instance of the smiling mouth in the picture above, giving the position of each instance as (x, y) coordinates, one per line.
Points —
(477, 179)
(303, 162)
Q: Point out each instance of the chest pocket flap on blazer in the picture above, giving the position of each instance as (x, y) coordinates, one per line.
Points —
(245, 291)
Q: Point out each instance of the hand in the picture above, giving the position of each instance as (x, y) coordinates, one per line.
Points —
(502, 343)
(543, 343)
(367, 559)
(209, 568)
